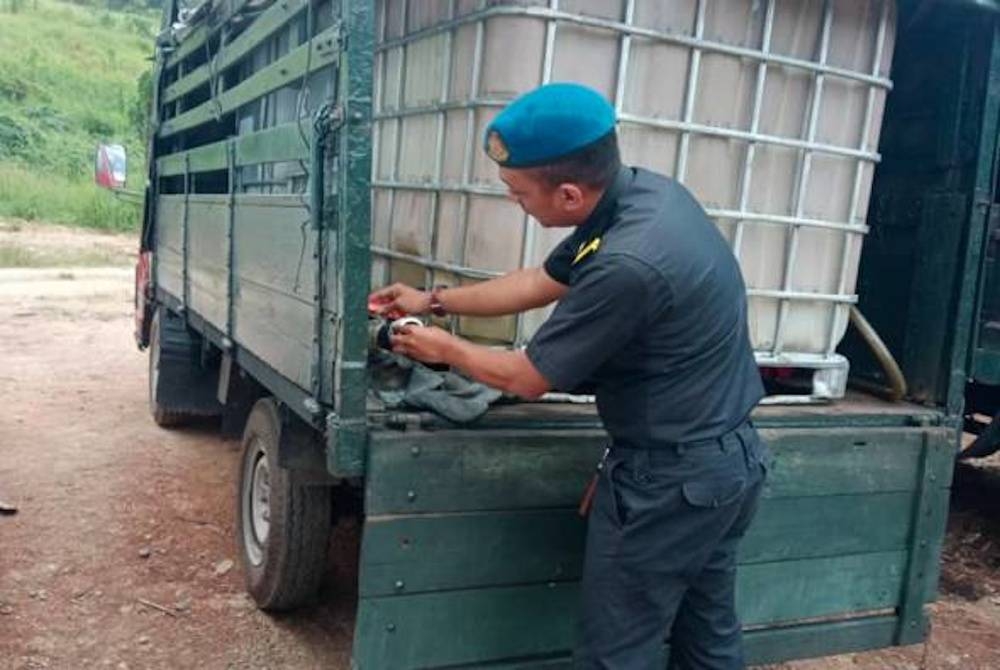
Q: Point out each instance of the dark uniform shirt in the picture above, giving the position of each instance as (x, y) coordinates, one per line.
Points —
(655, 320)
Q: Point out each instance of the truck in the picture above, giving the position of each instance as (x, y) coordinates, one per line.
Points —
(303, 151)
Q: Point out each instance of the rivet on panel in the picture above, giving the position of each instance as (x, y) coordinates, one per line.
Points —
(415, 451)
(399, 585)
(411, 495)
(391, 627)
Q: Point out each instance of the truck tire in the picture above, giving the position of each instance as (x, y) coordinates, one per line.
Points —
(283, 527)
(181, 386)
(163, 417)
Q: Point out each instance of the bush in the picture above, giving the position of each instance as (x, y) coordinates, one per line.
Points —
(13, 136)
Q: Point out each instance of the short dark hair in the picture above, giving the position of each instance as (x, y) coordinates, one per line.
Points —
(595, 165)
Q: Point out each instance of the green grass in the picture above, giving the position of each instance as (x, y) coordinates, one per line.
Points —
(69, 79)
(37, 195)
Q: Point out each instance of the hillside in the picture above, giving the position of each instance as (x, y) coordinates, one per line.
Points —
(71, 76)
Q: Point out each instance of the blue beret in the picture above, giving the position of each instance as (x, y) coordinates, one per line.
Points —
(548, 123)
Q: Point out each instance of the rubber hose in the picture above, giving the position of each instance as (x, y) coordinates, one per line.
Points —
(897, 382)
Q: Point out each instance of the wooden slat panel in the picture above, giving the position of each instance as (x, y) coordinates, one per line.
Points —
(789, 590)
(170, 221)
(437, 552)
(521, 621)
(201, 159)
(275, 271)
(283, 71)
(772, 645)
(466, 470)
(194, 39)
(169, 243)
(274, 244)
(169, 271)
(199, 34)
(286, 142)
(281, 143)
(276, 16)
(436, 629)
(208, 285)
(431, 552)
(276, 328)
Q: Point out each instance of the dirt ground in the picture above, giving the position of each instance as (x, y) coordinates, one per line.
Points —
(122, 552)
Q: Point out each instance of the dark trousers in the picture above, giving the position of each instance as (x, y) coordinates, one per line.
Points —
(661, 554)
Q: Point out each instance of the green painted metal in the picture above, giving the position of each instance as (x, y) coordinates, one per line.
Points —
(462, 526)
(230, 245)
(287, 142)
(347, 427)
(317, 168)
(462, 471)
(984, 194)
(433, 552)
(885, 415)
(986, 366)
(768, 645)
(185, 232)
(284, 71)
(927, 280)
(276, 16)
(926, 531)
(491, 624)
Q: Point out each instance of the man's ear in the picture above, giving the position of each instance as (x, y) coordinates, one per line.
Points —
(570, 196)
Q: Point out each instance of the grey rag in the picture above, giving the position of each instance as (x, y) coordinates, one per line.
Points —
(401, 382)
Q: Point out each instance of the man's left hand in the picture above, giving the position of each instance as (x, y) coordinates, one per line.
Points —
(424, 343)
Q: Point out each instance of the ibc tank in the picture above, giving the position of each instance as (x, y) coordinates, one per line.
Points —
(768, 110)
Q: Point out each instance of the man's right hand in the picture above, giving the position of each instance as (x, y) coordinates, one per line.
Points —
(398, 300)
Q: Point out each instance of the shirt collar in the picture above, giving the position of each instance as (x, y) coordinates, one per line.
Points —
(602, 217)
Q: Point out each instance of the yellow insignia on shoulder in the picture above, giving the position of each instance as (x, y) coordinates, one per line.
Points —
(496, 148)
(586, 248)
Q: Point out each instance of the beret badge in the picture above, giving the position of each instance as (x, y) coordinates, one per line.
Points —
(496, 148)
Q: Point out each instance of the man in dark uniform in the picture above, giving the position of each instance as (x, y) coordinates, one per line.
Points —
(651, 316)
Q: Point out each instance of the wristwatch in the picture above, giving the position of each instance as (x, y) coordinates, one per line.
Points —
(436, 307)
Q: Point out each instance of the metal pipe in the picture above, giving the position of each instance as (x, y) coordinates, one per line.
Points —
(690, 95)
(805, 168)
(666, 124)
(398, 137)
(470, 146)
(758, 103)
(624, 53)
(439, 149)
(775, 219)
(636, 31)
(859, 171)
(476, 273)
(454, 268)
(529, 233)
(380, 65)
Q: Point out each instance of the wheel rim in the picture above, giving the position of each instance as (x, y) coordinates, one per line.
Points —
(256, 504)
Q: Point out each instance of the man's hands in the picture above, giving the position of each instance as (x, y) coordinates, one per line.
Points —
(424, 343)
(398, 300)
(509, 371)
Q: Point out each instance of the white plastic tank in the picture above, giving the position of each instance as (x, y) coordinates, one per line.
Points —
(768, 110)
